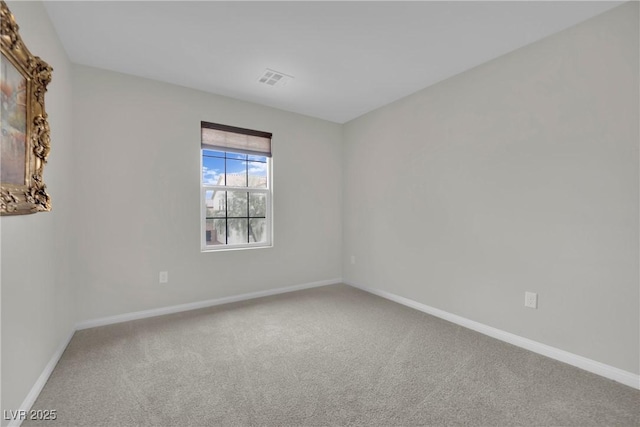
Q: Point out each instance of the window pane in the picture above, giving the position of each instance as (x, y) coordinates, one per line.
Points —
(236, 173)
(257, 204)
(237, 231)
(215, 202)
(237, 204)
(212, 170)
(257, 230)
(208, 202)
(215, 232)
(257, 174)
(262, 159)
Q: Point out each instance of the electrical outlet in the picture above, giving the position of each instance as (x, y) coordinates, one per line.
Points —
(353, 259)
(164, 277)
(531, 300)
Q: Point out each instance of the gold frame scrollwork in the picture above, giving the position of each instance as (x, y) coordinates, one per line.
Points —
(32, 196)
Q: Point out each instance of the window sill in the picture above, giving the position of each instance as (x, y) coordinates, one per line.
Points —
(242, 248)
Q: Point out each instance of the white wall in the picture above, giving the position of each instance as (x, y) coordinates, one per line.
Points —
(521, 174)
(38, 310)
(138, 208)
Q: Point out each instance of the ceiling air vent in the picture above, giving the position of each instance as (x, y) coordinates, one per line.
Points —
(274, 78)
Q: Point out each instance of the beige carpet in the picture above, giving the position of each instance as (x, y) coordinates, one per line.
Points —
(326, 356)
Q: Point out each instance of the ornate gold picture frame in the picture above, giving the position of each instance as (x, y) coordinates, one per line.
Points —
(24, 142)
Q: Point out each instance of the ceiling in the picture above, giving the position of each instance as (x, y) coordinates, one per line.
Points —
(347, 58)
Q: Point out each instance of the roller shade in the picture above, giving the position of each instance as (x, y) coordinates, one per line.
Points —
(228, 138)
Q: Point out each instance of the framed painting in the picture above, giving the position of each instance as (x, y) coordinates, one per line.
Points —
(24, 139)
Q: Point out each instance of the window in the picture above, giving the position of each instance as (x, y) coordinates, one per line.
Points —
(236, 187)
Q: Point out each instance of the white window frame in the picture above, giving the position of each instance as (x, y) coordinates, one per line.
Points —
(268, 215)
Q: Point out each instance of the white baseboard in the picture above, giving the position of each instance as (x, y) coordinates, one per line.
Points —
(198, 304)
(598, 368)
(42, 379)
